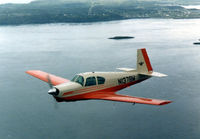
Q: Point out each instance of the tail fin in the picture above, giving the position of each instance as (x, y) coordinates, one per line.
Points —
(143, 65)
(143, 62)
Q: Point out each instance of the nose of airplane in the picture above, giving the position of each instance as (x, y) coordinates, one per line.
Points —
(63, 88)
(53, 91)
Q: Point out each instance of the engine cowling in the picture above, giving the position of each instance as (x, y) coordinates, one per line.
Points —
(66, 87)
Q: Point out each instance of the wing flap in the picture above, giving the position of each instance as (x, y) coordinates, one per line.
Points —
(130, 99)
(43, 76)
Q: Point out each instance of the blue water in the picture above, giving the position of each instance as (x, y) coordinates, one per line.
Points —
(27, 111)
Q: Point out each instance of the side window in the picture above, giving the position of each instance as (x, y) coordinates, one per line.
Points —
(100, 80)
(90, 81)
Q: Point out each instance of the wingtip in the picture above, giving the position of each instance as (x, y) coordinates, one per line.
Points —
(27, 71)
(30, 71)
(165, 102)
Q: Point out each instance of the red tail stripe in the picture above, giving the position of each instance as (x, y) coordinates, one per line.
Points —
(146, 58)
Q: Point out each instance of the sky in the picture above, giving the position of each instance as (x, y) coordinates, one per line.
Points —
(14, 1)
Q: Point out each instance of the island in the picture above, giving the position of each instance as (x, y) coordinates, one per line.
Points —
(79, 11)
(121, 37)
(196, 43)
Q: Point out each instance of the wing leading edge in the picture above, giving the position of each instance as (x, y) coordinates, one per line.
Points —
(130, 99)
(44, 77)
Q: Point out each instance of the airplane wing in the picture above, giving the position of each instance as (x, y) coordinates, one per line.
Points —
(130, 99)
(44, 77)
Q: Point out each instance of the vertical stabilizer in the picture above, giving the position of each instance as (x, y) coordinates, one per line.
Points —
(143, 62)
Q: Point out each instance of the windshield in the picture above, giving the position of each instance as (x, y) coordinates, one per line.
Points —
(79, 79)
(74, 78)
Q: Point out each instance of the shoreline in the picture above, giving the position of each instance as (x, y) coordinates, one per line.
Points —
(101, 21)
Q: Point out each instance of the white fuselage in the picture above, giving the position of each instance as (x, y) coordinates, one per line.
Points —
(114, 81)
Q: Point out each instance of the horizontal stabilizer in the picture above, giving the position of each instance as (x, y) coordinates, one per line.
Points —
(154, 74)
(126, 69)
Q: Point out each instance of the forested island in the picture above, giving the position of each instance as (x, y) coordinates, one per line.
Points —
(121, 37)
(39, 12)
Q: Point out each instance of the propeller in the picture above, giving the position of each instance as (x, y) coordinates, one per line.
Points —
(53, 91)
(49, 81)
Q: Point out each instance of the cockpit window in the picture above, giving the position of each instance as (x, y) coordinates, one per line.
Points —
(100, 80)
(90, 81)
(74, 78)
(79, 79)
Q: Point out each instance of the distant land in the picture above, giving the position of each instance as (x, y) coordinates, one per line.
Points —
(121, 37)
(40, 12)
(196, 43)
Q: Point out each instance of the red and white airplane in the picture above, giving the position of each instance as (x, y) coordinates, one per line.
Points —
(102, 85)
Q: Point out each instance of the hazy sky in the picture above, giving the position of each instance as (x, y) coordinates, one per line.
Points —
(14, 1)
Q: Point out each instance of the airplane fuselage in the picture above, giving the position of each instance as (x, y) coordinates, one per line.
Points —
(97, 82)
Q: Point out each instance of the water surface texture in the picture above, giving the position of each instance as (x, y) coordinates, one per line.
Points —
(27, 111)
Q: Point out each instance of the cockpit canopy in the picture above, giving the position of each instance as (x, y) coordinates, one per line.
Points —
(89, 81)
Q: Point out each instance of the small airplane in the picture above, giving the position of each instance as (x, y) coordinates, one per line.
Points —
(102, 85)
